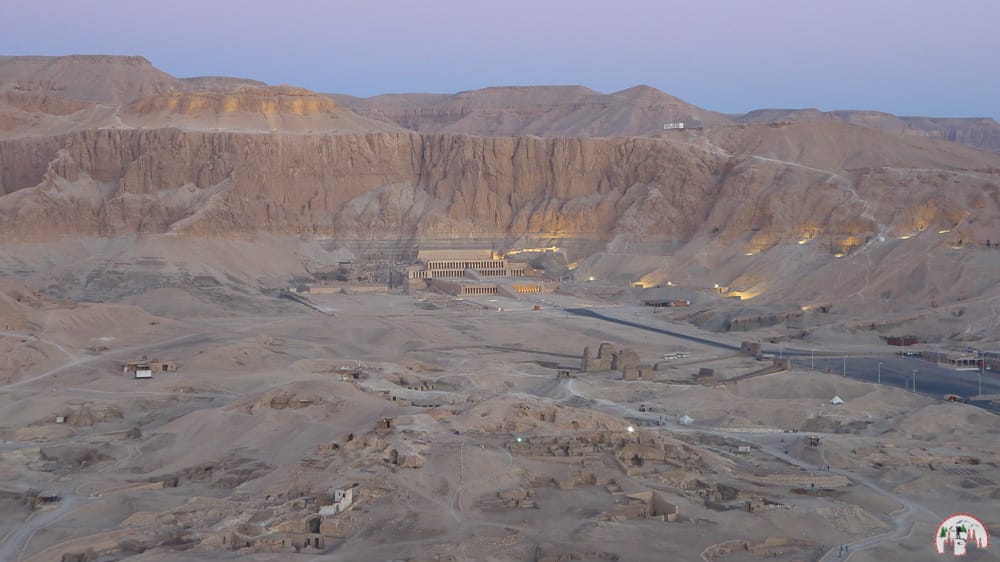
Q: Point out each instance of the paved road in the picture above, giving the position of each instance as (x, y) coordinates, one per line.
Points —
(586, 312)
(932, 380)
(897, 371)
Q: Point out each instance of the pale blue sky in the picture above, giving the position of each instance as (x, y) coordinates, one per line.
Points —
(903, 56)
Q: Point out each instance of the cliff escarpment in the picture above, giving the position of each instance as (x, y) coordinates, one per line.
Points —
(728, 184)
(115, 182)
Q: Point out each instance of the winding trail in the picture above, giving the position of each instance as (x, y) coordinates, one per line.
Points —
(13, 545)
(902, 522)
(206, 337)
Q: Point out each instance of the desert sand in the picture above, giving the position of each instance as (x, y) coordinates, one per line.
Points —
(252, 240)
(491, 454)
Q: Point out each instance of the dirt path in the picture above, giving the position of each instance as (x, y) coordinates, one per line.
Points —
(902, 522)
(206, 337)
(13, 545)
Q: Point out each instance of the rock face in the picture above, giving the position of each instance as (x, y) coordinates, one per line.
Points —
(405, 185)
(281, 99)
(250, 108)
(116, 182)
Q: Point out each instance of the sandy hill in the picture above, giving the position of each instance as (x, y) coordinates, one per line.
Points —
(979, 132)
(96, 78)
(839, 147)
(16, 306)
(107, 79)
(536, 110)
(29, 111)
(282, 108)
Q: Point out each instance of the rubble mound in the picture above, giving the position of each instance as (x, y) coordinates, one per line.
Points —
(226, 473)
(280, 399)
(526, 414)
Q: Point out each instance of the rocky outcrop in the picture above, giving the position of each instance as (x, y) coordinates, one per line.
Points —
(281, 99)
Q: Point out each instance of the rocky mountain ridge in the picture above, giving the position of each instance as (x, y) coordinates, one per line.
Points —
(108, 79)
(504, 111)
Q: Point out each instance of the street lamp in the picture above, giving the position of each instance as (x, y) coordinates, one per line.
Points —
(914, 380)
(880, 372)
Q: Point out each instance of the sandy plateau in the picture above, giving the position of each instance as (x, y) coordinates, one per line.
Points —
(498, 448)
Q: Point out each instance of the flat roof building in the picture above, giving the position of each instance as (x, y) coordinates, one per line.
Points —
(437, 264)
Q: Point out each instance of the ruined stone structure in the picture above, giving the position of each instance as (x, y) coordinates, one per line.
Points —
(638, 373)
(623, 359)
(602, 362)
(154, 366)
(646, 505)
(608, 358)
(750, 348)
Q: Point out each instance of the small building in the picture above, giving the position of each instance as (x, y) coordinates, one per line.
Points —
(384, 424)
(660, 303)
(751, 348)
(646, 505)
(705, 375)
(149, 367)
(812, 440)
(959, 361)
(675, 126)
(342, 501)
(902, 341)
(753, 506)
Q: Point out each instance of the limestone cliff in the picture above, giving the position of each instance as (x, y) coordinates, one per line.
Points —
(249, 108)
(386, 185)
(778, 183)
